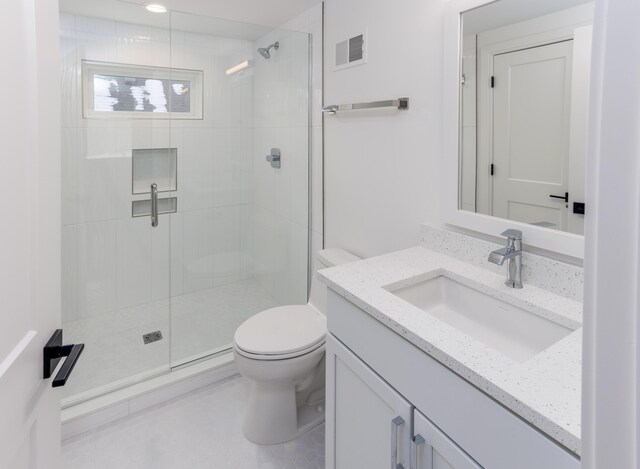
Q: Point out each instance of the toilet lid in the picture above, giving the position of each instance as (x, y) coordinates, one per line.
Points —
(282, 330)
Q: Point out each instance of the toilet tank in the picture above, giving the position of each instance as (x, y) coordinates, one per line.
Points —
(326, 258)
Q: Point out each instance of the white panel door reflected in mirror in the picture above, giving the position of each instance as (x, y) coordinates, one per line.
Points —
(523, 126)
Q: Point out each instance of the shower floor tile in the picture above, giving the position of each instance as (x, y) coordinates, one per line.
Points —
(200, 323)
(201, 430)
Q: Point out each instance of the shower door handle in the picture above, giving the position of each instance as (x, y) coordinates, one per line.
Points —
(154, 205)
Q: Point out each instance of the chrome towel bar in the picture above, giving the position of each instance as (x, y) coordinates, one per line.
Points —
(401, 104)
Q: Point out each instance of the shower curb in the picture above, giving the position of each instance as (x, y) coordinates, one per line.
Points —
(102, 410)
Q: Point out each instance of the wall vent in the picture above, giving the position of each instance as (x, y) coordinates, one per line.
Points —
(351, 52)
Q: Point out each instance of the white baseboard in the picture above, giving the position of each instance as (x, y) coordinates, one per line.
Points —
(104, 409)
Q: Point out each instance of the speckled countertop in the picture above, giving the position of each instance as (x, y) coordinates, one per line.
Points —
(544, 390)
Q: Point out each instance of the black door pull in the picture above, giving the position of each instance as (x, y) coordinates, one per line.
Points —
(565, 197)
(53, 352)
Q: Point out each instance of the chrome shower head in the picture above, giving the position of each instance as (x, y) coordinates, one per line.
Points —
(265, 52)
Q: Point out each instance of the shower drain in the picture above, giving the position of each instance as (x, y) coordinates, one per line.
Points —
(152, 337)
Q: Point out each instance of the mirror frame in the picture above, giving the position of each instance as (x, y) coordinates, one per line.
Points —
(568, 244)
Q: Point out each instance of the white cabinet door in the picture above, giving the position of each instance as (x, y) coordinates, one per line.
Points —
(368, 423)
(432, 449)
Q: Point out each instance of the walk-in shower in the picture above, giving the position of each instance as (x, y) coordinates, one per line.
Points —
(176, 228)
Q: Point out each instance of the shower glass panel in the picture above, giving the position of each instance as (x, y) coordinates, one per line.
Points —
(116, 268)
(239, 240)
(188, 105)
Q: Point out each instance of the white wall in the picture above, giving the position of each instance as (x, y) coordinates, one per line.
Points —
(382, 168)
(611, 370)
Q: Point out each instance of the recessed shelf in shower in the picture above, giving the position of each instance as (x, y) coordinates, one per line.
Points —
(142, 208)
(154, 165)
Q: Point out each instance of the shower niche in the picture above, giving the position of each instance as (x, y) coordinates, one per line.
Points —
(157, 166)
(154, 165)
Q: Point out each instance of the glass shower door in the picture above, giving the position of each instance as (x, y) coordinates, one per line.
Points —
(116, 265)
(183, 116)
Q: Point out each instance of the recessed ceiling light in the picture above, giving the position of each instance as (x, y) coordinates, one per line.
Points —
(155, 8)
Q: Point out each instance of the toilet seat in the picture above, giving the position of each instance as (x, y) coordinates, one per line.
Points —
(287, 356)
(281, 332)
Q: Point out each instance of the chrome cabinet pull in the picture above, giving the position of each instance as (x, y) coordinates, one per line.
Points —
(415, 444)
(154, 205)
(396, 423)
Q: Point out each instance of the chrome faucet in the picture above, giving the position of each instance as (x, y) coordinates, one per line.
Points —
(513, 254)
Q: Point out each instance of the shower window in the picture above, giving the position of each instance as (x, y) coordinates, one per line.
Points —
(134, 91)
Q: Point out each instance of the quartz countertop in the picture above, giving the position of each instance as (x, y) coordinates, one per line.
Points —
(544, 390)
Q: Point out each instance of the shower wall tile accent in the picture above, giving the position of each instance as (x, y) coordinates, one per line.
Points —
(549, 274)
(110, 260)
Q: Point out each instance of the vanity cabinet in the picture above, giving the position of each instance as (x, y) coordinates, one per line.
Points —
(372, 421)
(385, 395)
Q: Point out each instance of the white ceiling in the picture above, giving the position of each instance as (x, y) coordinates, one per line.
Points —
(211, 15)
(504, 12)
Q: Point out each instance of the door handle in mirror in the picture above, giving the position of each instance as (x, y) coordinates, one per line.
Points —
(565, 197)
(53, 352)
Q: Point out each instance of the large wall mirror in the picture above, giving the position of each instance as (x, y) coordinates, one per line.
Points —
(522, 83)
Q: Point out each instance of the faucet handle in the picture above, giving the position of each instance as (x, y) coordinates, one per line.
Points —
(513, 234)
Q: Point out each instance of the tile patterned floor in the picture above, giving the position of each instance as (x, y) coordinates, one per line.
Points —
(192, 324)
(201, 430)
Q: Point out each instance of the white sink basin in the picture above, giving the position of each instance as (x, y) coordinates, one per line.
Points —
(513, 331)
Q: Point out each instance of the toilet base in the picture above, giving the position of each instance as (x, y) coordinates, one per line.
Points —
(280, 410)
(263, 426)
(309, 417)
(286, 398)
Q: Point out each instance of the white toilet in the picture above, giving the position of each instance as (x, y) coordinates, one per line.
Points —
(281, 351)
